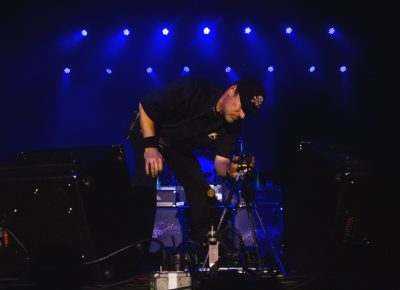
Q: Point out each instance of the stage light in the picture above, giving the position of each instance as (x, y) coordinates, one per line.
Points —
(289, 30)
(270, 68)
(228, 69)
(67, 70)
(126, 32)
(331, 30)
(84, 32)
(149, 70)
(343, 68)
(185, 71)
(247, 30)
(206, 30)
(165, 31)
(312, 68)
(108, 71)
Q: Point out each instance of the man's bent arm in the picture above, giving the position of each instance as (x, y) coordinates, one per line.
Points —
(225, 167)
(146, 124)
(222, 165)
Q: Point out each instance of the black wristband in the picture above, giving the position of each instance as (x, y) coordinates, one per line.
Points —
(150, 142)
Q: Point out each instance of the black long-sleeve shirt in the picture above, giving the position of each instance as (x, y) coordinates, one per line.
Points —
(184, 115)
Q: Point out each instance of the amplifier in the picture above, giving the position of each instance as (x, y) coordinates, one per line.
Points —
(170, 196)
(66, 209)
(175, 195)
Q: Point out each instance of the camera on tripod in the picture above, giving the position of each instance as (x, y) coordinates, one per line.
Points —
(245, 162)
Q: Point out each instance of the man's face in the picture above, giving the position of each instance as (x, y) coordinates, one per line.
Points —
(232, 109)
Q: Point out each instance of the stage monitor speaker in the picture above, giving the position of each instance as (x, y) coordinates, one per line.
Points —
(70, 206)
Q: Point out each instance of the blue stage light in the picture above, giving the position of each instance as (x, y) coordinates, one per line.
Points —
(343, 68)
(206, 30)
(289, 30)
(247, 30)
(186, 69)
(84, 32)
(228, 69)
(270, 68)
(149, 70)
(312, 68)
(165, 31)
(331, 30)
(108, 71)
(126, 32)
(67, 70)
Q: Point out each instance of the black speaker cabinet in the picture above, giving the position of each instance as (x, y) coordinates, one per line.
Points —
(329, 205)
(71, 206)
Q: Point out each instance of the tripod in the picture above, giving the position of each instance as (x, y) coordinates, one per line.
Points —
(247, 196)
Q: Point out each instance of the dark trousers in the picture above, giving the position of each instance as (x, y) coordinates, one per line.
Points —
(187, 170)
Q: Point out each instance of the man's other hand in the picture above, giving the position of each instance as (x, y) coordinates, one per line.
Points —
(153, 161)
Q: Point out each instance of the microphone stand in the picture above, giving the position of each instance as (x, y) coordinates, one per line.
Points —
(135, 117)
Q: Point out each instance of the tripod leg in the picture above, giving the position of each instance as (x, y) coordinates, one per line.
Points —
(251, 221)
(271, 242)
(253, 232)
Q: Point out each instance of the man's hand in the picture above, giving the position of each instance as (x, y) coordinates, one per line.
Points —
(234, 168)
(224, 166)
(153, 161)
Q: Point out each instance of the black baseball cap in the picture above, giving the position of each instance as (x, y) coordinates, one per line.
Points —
(252, 94)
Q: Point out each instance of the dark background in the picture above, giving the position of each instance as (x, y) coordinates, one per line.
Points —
(40, 108)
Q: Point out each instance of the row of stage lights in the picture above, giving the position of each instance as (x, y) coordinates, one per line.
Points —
(165, 31)
(206, 30)
(228, 69)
